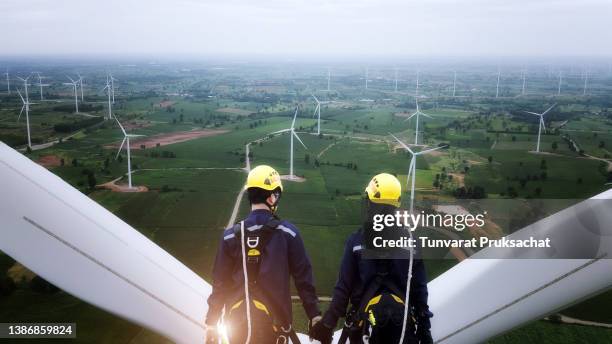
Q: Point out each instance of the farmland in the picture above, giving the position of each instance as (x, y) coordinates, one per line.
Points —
(193, 182)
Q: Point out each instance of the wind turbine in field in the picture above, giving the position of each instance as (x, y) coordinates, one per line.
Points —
(126, 141)
(559, 86)
(112, 82)
(366, 78)
(395, 79)
(417, 113)
(108, 91)
(292, 134)
(26, 107)
(542, 126)
(81, 86)
(497, 87)
(317, 112)
(41, 85)
(8, 82)
(412, 168)
(328, 79)
(75, 84)
(455, 83)
(247, 160)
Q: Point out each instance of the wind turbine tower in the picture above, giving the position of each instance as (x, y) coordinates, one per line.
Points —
(75, 84)
(497, 88)
(328, 79)
(26, 107)
(8, 82)
(412, 167)
(366, 78)
(417, 113)
(292, 134)
(559, 87)
(108, 91)
(81, 86)
(126, 141)
(541, 126)
(396, 79)
(41, 85)
(455, 83)
(416, 92)
(317, 112)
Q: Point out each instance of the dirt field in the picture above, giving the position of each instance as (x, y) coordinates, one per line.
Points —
(166, 103)
(170, 138)
(234, 111)
(113, 186)
(49, 161)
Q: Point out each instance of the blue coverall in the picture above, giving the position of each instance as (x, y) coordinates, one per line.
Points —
(283, 256)
(356, 273)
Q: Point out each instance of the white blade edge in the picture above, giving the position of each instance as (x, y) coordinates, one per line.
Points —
(402, 144)
(542, 121)
(550, 108)
(120, 126)
(279, 131)
(120, 147)
(426, 115)
(20, 96)
(20, 112)
(409, 117)
(298, 138)
(104, 261)
(533, 113)
(294, 117)
(430, 150)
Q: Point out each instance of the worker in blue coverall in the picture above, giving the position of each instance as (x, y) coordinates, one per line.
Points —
(375, 288)
(266, 251)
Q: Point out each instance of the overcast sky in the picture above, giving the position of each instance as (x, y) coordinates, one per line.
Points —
(313, 27)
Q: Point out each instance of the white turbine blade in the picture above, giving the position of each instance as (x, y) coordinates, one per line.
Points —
(298, 138)
(532, 113)
(120, 126)
(315, 98)
(426, 115)
(121, 147)
(20, 112)
(409, 117)
(280, 131)
(416, 100)
(542, 122)
(20, 96)
(73, 82)
(294, 117)
(430, 150)
(135, 135)
(410, 168)
(550, 108)
(403, 144)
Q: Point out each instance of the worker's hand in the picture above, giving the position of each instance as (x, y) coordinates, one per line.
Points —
(320, 332)
(424, 336)
(211, 336)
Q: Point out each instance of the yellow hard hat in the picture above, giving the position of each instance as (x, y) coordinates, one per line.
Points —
(264, 177)
(384, 188)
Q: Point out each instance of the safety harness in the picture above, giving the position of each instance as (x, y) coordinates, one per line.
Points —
(357, 319)
(253, 244)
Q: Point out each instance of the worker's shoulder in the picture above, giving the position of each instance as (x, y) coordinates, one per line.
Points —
(288, 228)
(230, 232)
